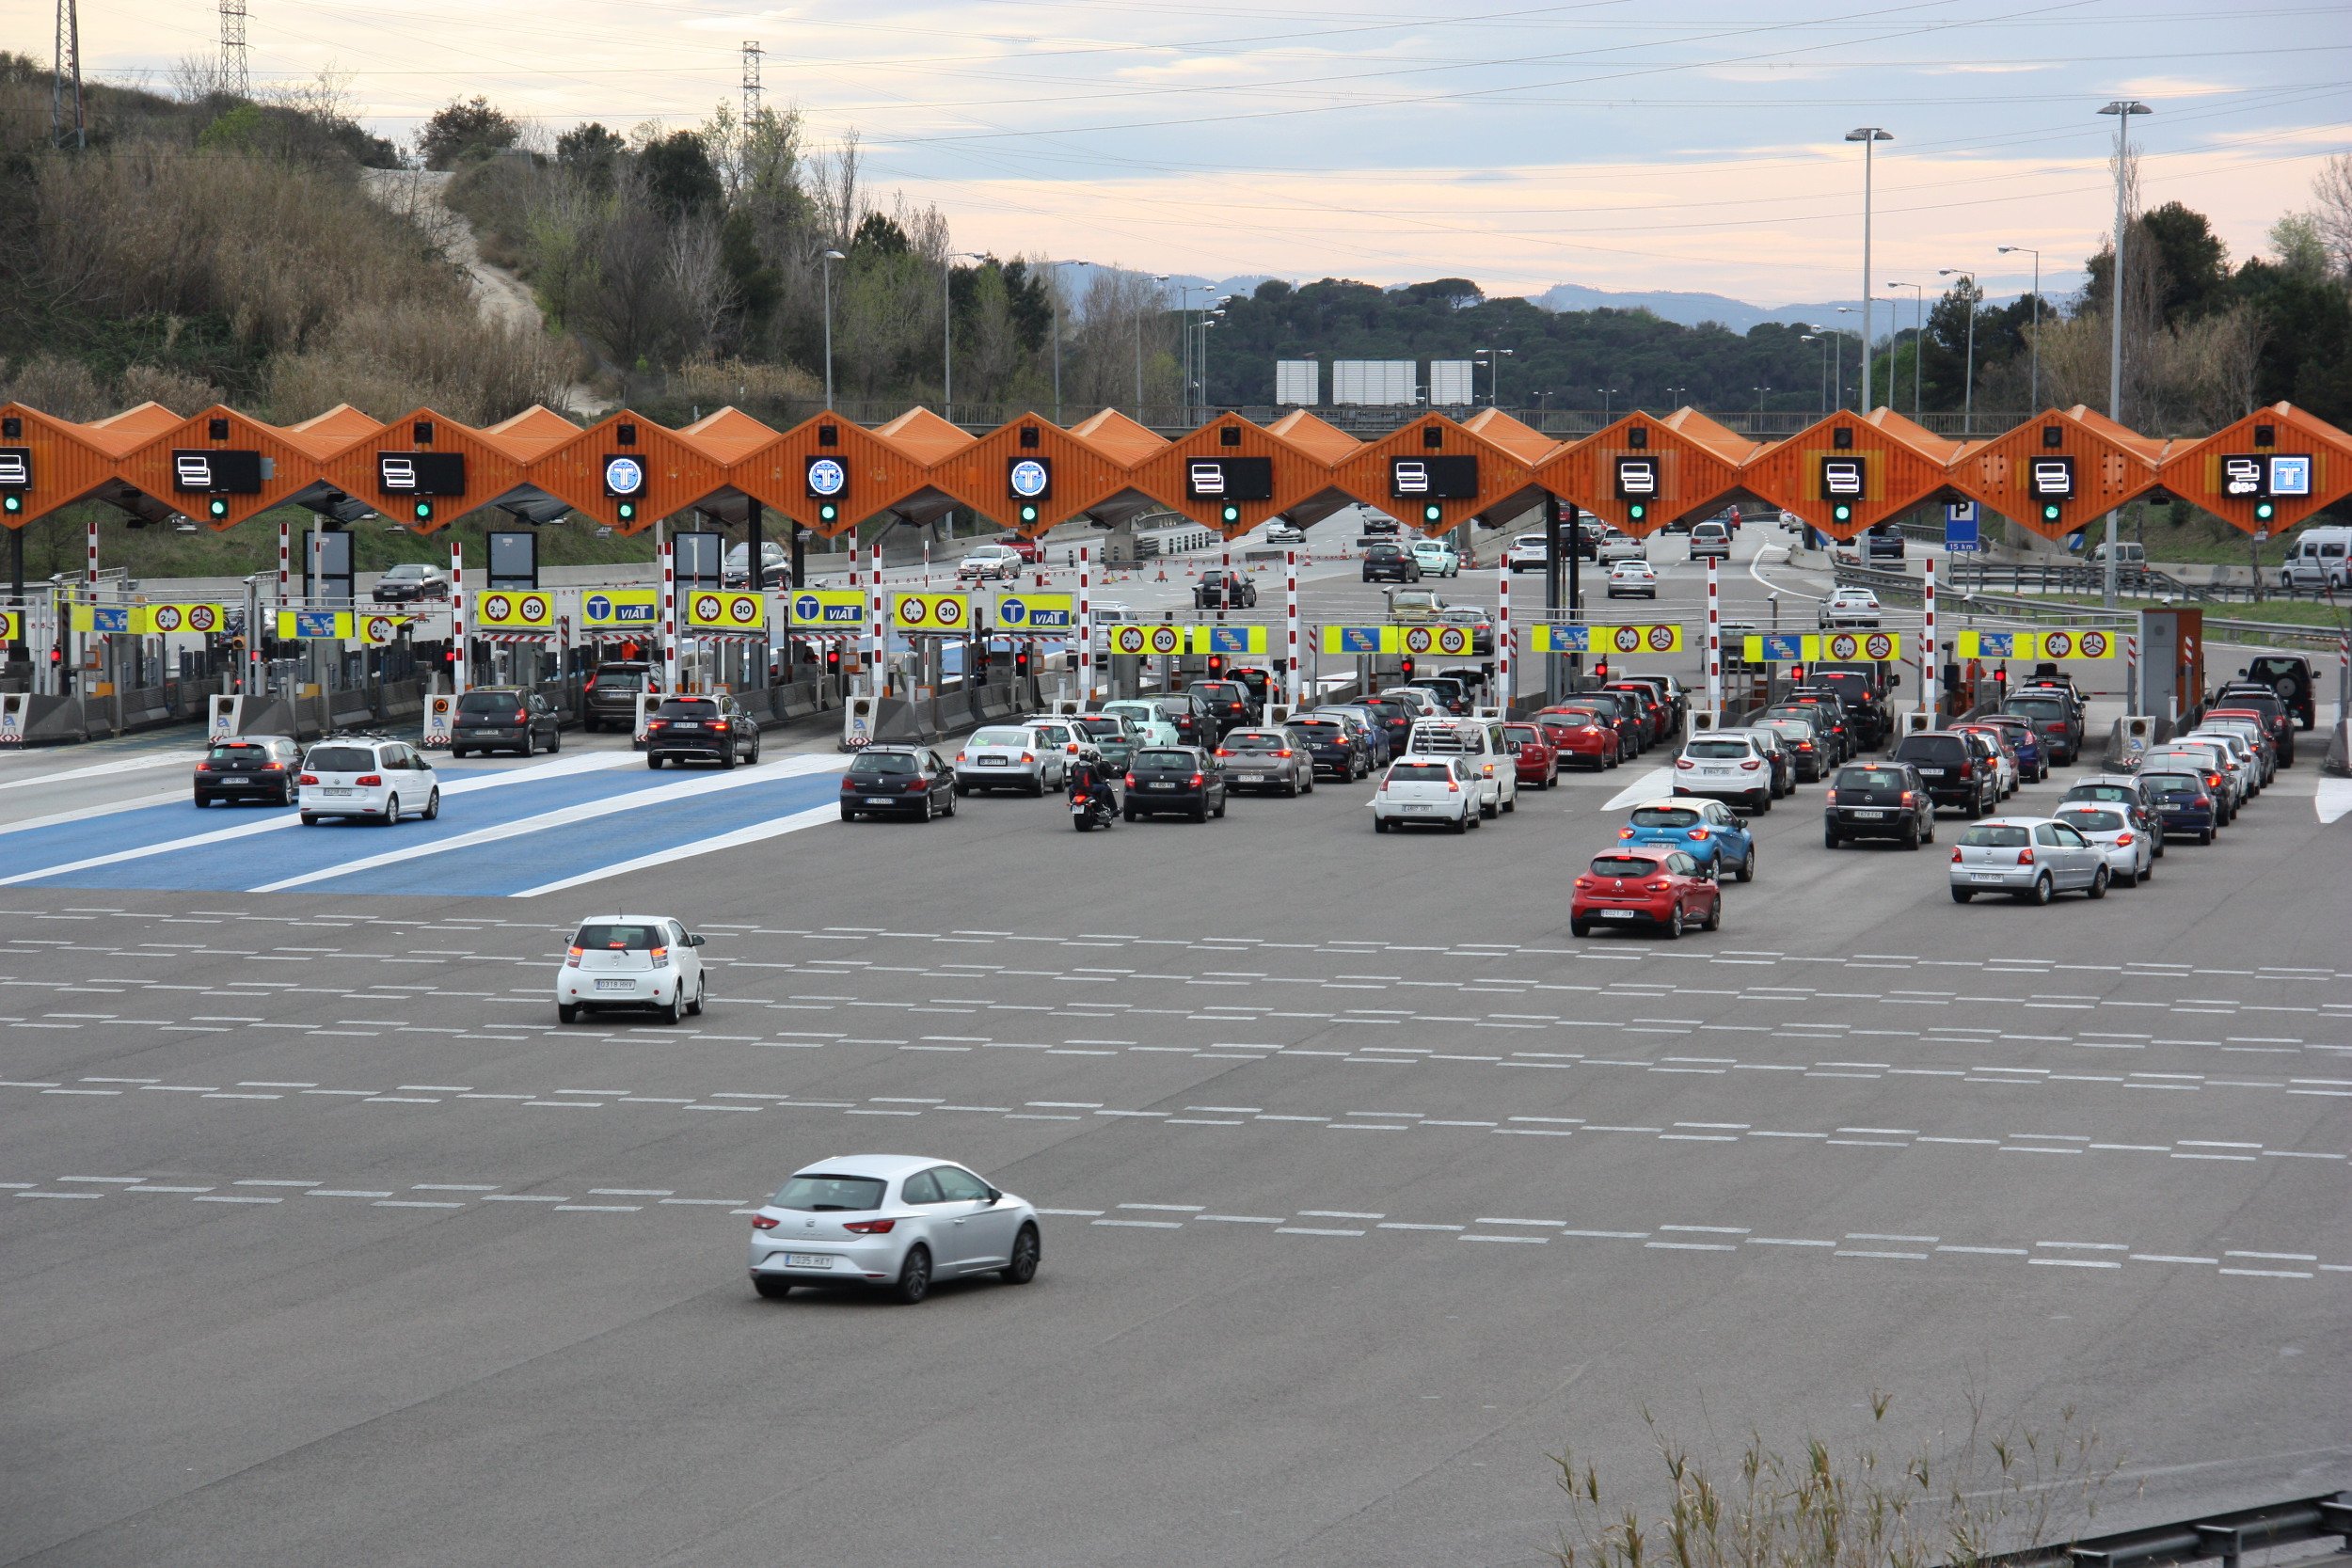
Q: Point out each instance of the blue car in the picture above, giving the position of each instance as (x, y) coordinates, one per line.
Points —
(1707, 830)
(2033, 754)
(1366, 725)
(2185, 803)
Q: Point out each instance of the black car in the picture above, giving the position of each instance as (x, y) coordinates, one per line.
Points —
(1219, 589)
(1175, 778)
(896, 781)
(2290, 676)
(1396, 721)
(1190, 713)
(2278, 717)
(1834, 720)
(1629, 713)
(1335, 751)
(1385, 562)
(1263, 688)
(249, 768)
(611, 698)
(1864, 692)
(1451, 693)
(705, 729)
(410, 581)
(2056, 714)
(1954, 774)
(1231, 706)
(1883, 800)
(503, 719)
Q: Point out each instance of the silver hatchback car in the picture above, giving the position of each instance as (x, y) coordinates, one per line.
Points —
(893, 1220)
(1013, 756)
(1269, 760)
(2033, 858)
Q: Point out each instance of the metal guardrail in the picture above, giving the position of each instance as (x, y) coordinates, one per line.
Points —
(2223, 1537)
(2276, 634)
(2143, 583)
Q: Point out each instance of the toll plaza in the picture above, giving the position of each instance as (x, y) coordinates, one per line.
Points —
(2263, 473)
(1847, 474)
(1436, 475)
(1642, 472)
(2054, 473)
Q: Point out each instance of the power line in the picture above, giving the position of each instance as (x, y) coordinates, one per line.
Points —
(233, 62)
(65, 82)
(751, 80)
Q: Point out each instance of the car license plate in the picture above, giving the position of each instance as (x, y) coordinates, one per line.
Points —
(1619, 914)
(616, 985)
(879, 800)
(1986, 875)
(1869, 815)
(332, 789)
(1930, 772)
(808, 1260)
(992, 762)
(1163, 786)
(1420, 808)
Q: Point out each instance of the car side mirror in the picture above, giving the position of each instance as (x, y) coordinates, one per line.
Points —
(693, 942)
(995, 1197)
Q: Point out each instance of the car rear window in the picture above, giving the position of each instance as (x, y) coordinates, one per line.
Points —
(240, 752)
(1921, 748)
(2102, 792)
(1243, 741)
(871, 764)
(1995, 837)
(1421, 772)
(2039, 708)
(1110, 729)
(339, 759)
(1000, 737)
(1164, 759)
(1523, 733)
(688, 708)
(1665, 816)
(1221, 691)
(2091, 822)
(1622, 865)
(2173, 783)
(620, 680)
(488, 702)
(1719, 748)
(620, 935)
(818, 1193)
(1316, 727)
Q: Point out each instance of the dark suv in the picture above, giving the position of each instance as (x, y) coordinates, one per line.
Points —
(1189, 712)
(2290, 676)
(1952, 769)
(611, 696)
(1864, 691)
(702, 729)
(1219, 589)
(503, 719)
(1885, 800)
(1231, 706)
(2056, 716)
(1385, 562)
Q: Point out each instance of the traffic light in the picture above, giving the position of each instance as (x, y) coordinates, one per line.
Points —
(1217, 667)
(1028, 512)
(627, 510)
(828, 513)
(1409, 669)
(1600, 669)
(1231, 514)
(1021, 660)
(1637, 511)
(1796, 675)
(2049, 511)
(425, 511)
(1433, 513)
(1843, 512)
(2264, 510)
(833, 659)
(217, 507)
(12, 502)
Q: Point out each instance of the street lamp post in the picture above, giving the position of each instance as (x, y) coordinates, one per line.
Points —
(1968, 398)
(1824, 339)
(1055, 289)
(1209, 319)
(1868, 135)
(1606, 394)
(827, 262)
(1156, 277)
(1918, 340)
(1760, 407)
(947, 331)
(1494, 375)
(2122, 109)
(2033, 400)
(1864, 356)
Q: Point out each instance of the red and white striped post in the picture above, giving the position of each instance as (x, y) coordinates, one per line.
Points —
(877, 629)
(1502, 635)
(2131, 672)
(1086, 624)
(669, 615)
(92, 563)
(1930, 676)
(851, 651)
(457, 619)
(1714, 646)
(1292, 676)
(1225, 593)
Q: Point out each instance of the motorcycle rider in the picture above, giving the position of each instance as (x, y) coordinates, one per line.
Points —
(1090, 778)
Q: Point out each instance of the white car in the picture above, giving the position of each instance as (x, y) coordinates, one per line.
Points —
(1032, 758)
(1848, 608)
(1280, 532)
(1710, 538)
(1529, 552)
(893, 1220)
(2131, 853)
(1437, 557)
(366, 776)
(1439, 791)
(634, 961)
(1150, 726)
(989, 561)
(1726, 766)
(1615, 547)
(1632, 577)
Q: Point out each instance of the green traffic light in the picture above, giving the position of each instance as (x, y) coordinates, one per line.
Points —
(1028, 513)
(2263, 510)
(424, 512)
(1231, 513)
(1843, 512)
(13, 502)
(1433, 513)
(1637, 511)
(628, 512)
(2049, 511)
(217, 507)
(827, 512)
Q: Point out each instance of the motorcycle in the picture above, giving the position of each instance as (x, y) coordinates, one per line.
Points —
(1091, 810)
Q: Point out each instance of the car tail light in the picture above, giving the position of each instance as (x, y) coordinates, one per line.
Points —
(2025, 856)
(660, 957)
(2213, 781)
(2202, 802)
(1625, 833)
(1750, 766)
(273, 768)
(571, 956)
(1910, 798)
(1028, 757)
(1131, 781)
(1283, 753)
(763, 1222)
(718, 724)
(1236, 707)
(1489, 770)
(1658, 886)
(1804, 745)
(1697, 835)
(521, 717)
(1453, 788)
(2123, 838)
(657, 723)
(1684, 762)
(1196, 780)
(1955, 856)
(1223, 752)
(368, 780)
(870, 1228)
(959, 756)
(308, 779)
(1829, 798)
(1967, 769)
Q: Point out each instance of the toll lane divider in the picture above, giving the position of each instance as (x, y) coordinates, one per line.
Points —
(811, 817)
(167, 819)
(659, 795)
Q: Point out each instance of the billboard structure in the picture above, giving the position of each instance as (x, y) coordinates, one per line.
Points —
(1450, 385)
(1298, 382)
(1378, 383)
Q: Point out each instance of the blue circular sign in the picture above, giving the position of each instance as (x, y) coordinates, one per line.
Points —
(805, 608)
(826, 477)
(598, 607)
(624, 476)
(1012, 612)
(1028, 479)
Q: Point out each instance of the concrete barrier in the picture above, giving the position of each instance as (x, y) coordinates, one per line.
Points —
(50, 720)
(2337, 764)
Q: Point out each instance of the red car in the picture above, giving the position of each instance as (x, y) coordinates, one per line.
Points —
(1645, 884)
(1029, 550)
(1579, 734)
(1623, 726)
(1539, 762)
(1651, 708)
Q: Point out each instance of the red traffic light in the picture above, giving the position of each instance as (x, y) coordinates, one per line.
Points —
(1216, 666)
(1407, 668)
(833, 659)
(1600, 670)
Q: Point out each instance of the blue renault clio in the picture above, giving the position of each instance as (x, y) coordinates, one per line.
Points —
(1707, 830)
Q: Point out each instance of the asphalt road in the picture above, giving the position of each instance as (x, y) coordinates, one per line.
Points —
(1371, 1188)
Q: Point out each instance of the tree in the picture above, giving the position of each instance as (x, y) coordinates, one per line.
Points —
(679, 179)
(2333, 189)
(591, 154)
(466, 132)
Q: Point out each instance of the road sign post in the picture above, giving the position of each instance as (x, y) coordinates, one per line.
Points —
(669, 616)
(457, 617)
(1930, 673)
(1085, 624)
(1960, 527)
(1503, 634)
(1291, 675)
(1714, 650)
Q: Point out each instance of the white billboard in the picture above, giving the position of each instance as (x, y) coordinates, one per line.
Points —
(1382, 383)
(1450, 385)
(1298, 382)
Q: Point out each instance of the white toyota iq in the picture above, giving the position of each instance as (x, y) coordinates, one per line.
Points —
(631, 960)
(893, 1220)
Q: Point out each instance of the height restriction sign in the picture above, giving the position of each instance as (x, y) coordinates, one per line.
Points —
(935, 612)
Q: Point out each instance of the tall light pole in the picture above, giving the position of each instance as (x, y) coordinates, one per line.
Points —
(947, 331)
(2033, 344)
(1494, 375)
(2122, 109)
(1849, 310)
(1055, 289)
(1759, 407)
(1918, 341)
(1968, 401)
(1606, 394)
(1156, 277)
(1824, 339)
(1208, 319)
(1868, 135)
(826, 264)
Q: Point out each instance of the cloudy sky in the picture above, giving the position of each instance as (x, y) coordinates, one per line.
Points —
(1625, 144)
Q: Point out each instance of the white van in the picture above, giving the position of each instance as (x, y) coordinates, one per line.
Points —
(2128, 552)
(1479, 742)
(2321, 558)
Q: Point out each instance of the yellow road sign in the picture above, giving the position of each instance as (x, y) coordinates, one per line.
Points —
(506, 611)
(2090, 643)
(833, 610)
(604, 609)
(1835, 647)
(709, 610)
(950, 613)
(1666, 639)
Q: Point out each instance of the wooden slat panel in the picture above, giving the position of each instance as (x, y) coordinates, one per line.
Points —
(1691, 477)
(490, 470)
(881, 475)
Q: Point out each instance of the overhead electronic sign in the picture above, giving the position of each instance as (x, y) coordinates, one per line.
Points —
(624, 475)
(16, 477)
(826, 478)
(1229, 479)
(1637, 478)
(2051, 478)
(420, 473)
(1441, 479)
(218, 471)
(1030, 481)
(1842, 483)
(2288, 476)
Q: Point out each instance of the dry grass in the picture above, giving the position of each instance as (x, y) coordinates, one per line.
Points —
(389, 359)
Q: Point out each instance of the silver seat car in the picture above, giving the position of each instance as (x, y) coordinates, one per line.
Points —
(2032, 857)
(1013, 756)
(897, 1222)
(2131, 849)
(1267, 760)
